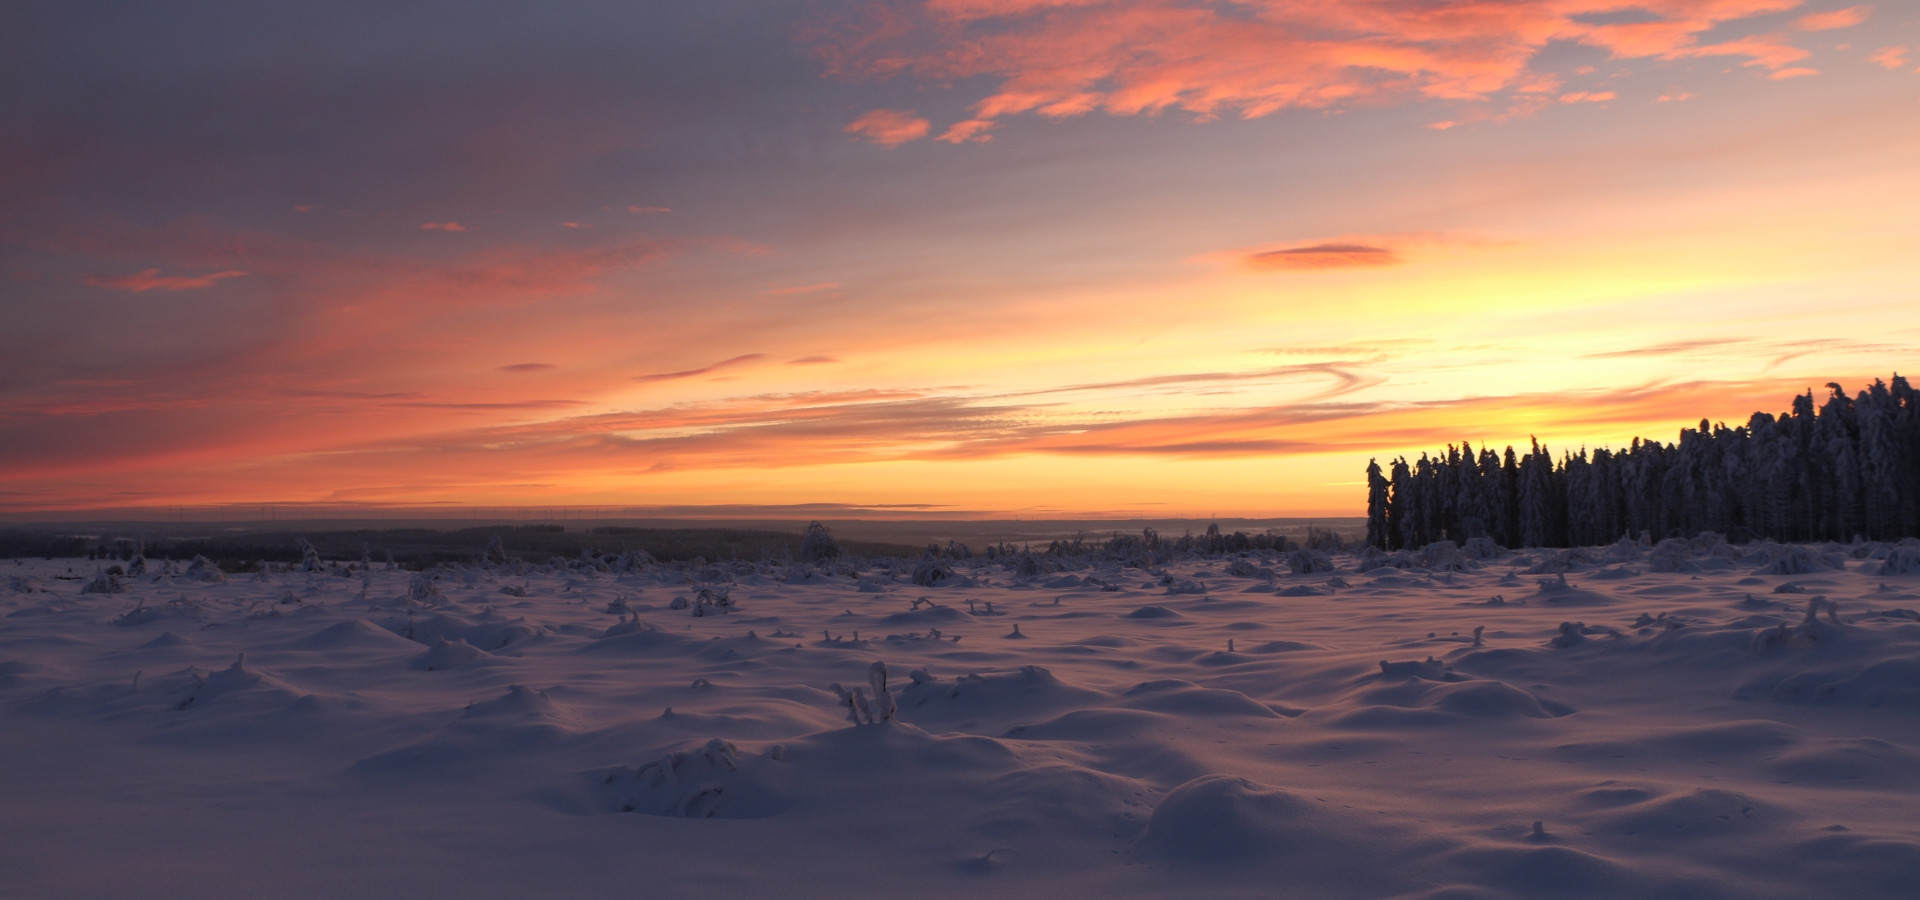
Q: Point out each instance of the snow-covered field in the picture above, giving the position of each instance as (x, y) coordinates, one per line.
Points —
(1684, 721)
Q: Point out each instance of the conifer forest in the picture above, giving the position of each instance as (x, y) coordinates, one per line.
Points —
(1829, 470)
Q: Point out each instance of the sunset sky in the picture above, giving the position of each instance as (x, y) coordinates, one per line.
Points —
(1018, 257)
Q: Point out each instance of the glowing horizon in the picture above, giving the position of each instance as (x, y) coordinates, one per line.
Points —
(1030, 257)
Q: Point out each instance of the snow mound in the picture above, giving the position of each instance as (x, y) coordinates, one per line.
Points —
(1176, 696)
(445, 654)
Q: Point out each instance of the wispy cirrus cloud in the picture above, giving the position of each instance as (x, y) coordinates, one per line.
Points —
(1252, 58)
(740, 360)
(151, 280)
(1671, 348)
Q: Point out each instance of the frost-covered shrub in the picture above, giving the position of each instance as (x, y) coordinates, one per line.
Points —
(104, 583)
(1623, 550)
(1026, 565)
(818, 545)
(931, 573)
(1902, 559)
(1481, 548)
(1440, 556)
(1793, 560)
(712, 600)
(1244, 568)
(881, 708)
(1309, 562)
(422, 590)
(1324, 541)
(1399, 559)
(685, 783)
(309, 557)
(1563, 561)
(206, 570)
(1671, 555)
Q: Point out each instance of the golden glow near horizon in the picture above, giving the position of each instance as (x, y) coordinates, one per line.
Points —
(1182, 273)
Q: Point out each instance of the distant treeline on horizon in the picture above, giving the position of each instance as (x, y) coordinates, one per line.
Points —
(1850, 468)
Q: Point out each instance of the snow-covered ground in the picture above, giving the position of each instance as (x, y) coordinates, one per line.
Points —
(1685, 721)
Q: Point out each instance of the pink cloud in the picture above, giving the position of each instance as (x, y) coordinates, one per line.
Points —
(889, 127)
(1252, 58)
(1891, 57)
(1587, 97)
(151, 280)
(1785, 74)
(647, 210)
(442, 226)
(1833, 19)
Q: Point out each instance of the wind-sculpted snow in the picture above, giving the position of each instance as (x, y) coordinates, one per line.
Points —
(1688, 719)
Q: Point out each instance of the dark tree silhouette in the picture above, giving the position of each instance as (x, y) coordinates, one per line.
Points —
(1848, 467)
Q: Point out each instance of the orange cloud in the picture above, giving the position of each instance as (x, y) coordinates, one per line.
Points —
(647, 210)
(442, 226)
(1251, 58)
(1587, 97)
(528, 367)
(151, 280)
(889, 127)
(1785, 74)
(1833, 19)
(1894, 57)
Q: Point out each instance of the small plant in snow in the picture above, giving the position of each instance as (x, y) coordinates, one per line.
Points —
(881, 708)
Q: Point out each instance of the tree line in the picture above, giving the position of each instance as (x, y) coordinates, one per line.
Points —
(1848, 468)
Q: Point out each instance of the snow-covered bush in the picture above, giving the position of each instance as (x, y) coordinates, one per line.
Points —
(818, 545)
(1308, 562)
(422, 590)
(931, 572)
(1244, 568)
(204, 569)
(1794, 560)
(1481, 548)
(1902, 559)
(309, 557)
(1441, 556)
(1671, 555)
